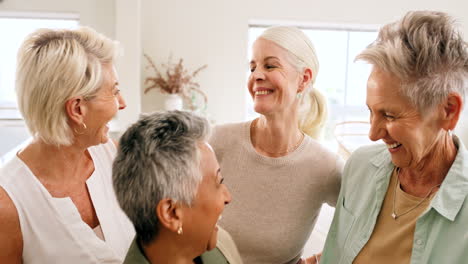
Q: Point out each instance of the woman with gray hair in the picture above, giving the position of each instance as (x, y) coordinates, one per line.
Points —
(279, 175)
(413, 206)
(169, 184)
(57, 204)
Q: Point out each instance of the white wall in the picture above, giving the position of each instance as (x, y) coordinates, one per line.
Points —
(214, 32)
(97, 14)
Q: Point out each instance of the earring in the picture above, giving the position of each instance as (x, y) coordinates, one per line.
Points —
(84, 129)
(450, 133)
(298, 95)
(180, 231)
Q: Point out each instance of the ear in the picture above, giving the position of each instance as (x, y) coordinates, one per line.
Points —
(76, 109)
(452, 108)
(306, 79)
(170, 214)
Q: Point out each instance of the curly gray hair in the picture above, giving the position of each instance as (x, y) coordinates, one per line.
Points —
(426, 52)
(158, 158)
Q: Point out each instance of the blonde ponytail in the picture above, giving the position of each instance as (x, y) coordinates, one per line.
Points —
(313, 113)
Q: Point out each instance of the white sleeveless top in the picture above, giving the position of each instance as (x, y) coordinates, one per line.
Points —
(52, 228)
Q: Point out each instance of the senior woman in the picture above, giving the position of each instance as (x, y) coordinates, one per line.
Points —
(57, 204)
(406, 201)
(279, 175)
(167, 180)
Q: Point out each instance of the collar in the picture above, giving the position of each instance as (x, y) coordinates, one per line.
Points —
(452, 193)
(135, 255)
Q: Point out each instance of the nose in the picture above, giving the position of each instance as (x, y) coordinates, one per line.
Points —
(376, 131)
(122, 103)
(227, 196)
(257, 74)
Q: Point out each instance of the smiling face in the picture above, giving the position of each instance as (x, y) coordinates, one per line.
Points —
(273, 82)
(410, 137)
(200, 220)
(103, 107)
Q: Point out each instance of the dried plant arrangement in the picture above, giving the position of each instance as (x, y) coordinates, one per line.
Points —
(175, 79)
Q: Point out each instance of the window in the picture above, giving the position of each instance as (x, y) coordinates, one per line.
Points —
(15, 27)
(340, 79)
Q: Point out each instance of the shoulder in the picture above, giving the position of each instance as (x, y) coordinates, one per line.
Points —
(363, 160)
(11, 241)
(228, 129)
(321, 155)
(366, 154)
(224, 136)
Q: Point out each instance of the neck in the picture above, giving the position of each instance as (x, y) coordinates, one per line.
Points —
(275, 136)
(56, 162)
(167, 249)
(432, 171)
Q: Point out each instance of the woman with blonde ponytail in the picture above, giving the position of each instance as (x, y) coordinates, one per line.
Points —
(278, 173)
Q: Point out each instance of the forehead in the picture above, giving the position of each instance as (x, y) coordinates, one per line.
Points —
(263, 48)
(383, 84)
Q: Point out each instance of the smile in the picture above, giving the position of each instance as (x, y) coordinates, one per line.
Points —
(263, 92)
(394, 145)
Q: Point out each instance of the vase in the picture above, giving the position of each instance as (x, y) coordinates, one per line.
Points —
(173, 102)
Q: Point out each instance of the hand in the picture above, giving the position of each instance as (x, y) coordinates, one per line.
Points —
(311, 260)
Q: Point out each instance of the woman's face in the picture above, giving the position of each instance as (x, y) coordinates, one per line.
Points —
(200, 220)
(410, 137)
(104, 106)
(273, 82)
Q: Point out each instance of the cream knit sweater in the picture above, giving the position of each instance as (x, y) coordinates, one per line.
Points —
(275, 201)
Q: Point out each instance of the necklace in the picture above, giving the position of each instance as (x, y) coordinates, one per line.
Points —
(394, 214)
(254, 125)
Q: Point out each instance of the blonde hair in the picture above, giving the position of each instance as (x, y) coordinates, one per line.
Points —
(54, 66)
(426, 52)
(312, 107)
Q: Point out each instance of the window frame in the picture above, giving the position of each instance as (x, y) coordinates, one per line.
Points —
(9, 111)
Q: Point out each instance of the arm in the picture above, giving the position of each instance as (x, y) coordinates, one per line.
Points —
(11, 240)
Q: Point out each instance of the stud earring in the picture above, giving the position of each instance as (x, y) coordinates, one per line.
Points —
(180, 231)
(298, 95)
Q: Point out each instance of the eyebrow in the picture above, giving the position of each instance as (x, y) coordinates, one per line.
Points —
(267, 58)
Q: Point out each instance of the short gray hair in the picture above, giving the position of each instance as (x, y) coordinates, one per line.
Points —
(54, 66)
(426, 52)
(158, 157)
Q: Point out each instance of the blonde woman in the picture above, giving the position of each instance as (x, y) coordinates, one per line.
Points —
(277, 172)
(57, 204)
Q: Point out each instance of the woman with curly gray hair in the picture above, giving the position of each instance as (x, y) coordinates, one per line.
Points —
(57, 204)
(413, 202)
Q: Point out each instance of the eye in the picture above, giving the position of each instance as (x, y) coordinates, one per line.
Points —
(221, 181)
(389, 117)
(117, 92)
(252, 69)
(269, 66)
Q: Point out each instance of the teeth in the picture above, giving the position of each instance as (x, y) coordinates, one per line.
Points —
(262, 92)
(394, 145)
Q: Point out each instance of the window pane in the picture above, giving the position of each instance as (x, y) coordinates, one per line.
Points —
(330, 46)
(17, 29)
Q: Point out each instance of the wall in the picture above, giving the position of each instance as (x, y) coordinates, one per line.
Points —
(214, 32)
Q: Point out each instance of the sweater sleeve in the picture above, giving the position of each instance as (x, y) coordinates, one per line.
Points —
(333, 183)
